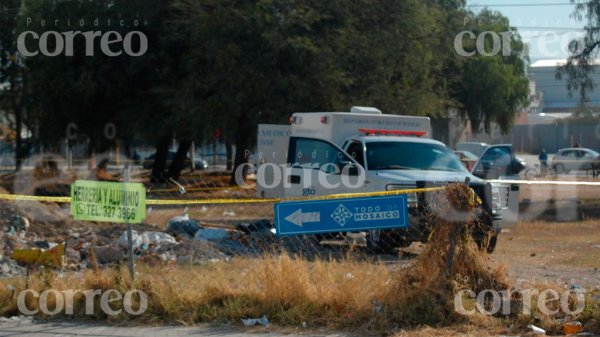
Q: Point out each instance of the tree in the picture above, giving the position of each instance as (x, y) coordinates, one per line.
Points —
(259, 61)
(92, 93)
(13, 97)
(584, 53)
(231, 64)
(498, 96)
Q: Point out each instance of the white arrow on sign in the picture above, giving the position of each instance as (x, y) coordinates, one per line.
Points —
(298, 218)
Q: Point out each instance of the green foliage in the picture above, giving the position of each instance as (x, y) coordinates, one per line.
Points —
(231, 64)
(494, 88)
(584, 54)
(89, 91)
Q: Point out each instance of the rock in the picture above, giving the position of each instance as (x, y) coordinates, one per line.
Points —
(200, 250)
(73, 256)
(185, 259)
(9, 268)
(108, 254)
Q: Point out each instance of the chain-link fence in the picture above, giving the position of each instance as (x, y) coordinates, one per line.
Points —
(207, 251)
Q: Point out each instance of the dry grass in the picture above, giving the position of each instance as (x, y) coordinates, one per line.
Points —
(460, 330)
(292, 291)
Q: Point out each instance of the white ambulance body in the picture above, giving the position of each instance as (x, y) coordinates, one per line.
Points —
(272, 148)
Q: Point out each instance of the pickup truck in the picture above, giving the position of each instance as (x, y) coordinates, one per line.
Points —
(363, 151)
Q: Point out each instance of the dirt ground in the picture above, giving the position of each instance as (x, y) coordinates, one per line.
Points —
(554, 252)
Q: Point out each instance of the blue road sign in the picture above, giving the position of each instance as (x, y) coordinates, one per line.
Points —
(341, 215)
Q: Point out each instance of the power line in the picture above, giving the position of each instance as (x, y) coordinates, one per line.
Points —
(549, 28)
(525, 4)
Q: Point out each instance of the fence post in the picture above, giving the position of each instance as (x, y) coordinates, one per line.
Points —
(127, 172)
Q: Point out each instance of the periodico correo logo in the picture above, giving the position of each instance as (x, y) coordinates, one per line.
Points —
(112, 301)
(54, 43)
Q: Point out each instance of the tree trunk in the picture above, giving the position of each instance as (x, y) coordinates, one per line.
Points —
(242, 144)
(18, 111)
(229, 151)
(160, 160)
(19, 141)
(179, 162)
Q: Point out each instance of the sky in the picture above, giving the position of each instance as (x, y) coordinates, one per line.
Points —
(545, 25)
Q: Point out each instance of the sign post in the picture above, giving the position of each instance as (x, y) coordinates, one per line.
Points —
(127, 172)
(110, 202)
(341, 215)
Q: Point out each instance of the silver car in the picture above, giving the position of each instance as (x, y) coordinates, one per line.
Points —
(575, 159)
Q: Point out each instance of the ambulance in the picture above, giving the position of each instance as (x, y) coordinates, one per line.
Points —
(324, 153)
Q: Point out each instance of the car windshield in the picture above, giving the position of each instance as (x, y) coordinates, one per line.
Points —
(411, 156)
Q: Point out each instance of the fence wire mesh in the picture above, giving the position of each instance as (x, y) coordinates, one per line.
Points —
(200, 258)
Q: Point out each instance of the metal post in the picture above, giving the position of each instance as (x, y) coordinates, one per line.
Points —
(127, 172)
(193, 155)
(214, 154)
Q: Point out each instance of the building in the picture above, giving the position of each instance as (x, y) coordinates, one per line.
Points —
(555, 96)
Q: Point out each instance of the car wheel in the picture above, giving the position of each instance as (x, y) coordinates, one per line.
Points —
(487, 243)
(530, 173)
(384, 242)
(560, 169)
(327, 236)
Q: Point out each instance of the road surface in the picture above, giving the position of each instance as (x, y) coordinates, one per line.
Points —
(25, 326)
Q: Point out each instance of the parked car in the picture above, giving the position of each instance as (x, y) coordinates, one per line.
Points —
(574, 159)
(201, 164)
(467, 158)
(499, 162)
(475, 148)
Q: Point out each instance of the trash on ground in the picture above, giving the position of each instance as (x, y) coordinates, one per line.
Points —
(158, 238)
(572, 327)
(536, 329)
(182, 226)
(211, 234)
(253, 321)
(136, 239)
(576, 288)
(52, 257)
(249, 227)
(9, 268)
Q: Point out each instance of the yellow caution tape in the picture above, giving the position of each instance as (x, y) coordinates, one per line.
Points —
(232, 201)
(271, 200)
(196, 189)
(34, 198)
